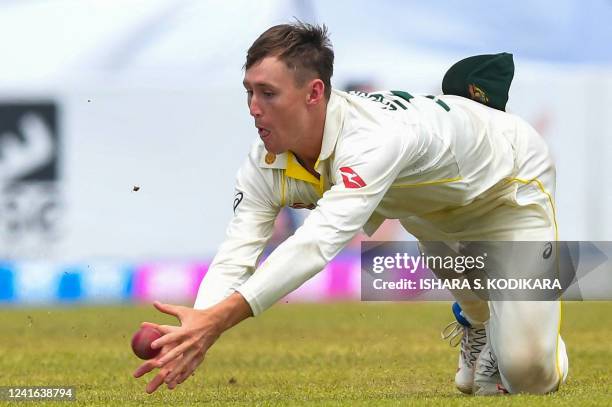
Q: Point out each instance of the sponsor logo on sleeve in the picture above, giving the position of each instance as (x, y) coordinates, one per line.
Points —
(351, 179)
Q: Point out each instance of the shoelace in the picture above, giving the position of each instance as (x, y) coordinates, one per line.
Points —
(488, 365)
(472, 340)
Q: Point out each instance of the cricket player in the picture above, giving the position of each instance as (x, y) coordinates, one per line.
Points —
(450, 168)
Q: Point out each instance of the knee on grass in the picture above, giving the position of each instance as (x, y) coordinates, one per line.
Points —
(529, 369)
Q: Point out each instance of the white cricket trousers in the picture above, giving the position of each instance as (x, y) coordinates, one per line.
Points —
(524, 335)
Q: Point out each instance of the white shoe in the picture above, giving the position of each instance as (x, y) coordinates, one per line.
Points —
(472, 340)
(487, 380)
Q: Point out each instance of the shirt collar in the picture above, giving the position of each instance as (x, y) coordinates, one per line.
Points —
(295, 170)
(334, 120)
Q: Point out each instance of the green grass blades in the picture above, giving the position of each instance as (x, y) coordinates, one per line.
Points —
(295, 354)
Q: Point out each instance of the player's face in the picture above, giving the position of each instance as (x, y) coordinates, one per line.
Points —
(277, 104)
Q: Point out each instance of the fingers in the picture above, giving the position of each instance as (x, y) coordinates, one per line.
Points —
(173, 336)
(182, 365)
(189, 369)
(146, 367)
(169, 309)
(150, 364)
(158, 380)
(186, 364)
(185, 373)
(174, 353)
(164, 329)
(183, 348)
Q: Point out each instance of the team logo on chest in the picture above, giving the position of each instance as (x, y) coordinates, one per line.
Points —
(270, 158)
(350, 178)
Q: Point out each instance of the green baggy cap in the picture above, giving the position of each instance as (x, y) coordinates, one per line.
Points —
(483, 78)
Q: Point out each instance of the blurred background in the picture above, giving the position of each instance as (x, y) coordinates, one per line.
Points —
(123, 123)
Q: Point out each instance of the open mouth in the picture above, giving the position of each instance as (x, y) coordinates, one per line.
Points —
(263, 133)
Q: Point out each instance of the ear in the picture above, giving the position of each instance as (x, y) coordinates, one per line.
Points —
(316, 91)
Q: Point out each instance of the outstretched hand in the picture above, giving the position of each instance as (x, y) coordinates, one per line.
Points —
(184, 347)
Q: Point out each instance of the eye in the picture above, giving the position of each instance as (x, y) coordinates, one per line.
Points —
(268, 94)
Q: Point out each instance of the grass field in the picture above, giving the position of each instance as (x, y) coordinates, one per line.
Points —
(327, 354)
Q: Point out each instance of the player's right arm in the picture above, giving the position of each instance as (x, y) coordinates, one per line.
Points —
(257, 201)
(218, 305)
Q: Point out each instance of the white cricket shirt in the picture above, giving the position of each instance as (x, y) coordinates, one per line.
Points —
(389, 155)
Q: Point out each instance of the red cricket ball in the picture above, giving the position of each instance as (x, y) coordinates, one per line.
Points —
(141, 343)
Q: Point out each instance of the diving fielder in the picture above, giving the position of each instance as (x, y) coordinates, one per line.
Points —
(449, 168)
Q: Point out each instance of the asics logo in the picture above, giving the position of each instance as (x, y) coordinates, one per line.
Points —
(547, 250)
(237, 200)
(350, 178)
